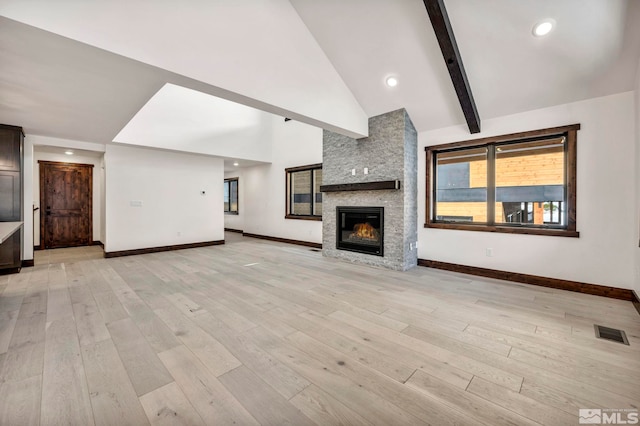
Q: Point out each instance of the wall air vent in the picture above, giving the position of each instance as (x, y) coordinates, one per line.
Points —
(612, 334)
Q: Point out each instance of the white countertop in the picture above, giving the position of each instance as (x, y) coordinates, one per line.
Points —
(7, 229)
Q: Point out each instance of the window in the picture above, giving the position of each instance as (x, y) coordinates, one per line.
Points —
(304, 199)
(231, 196)
(517, 183)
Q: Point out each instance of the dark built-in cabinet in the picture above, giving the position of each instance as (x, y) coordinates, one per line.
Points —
(11, 206)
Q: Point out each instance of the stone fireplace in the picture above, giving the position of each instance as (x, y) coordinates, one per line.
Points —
(367, 179)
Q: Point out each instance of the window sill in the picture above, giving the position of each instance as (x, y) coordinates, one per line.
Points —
(293, 216)
(505, 229)
(232, 213)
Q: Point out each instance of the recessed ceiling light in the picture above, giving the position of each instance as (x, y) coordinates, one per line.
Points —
(69, 152)
(391, 81)
(543, 28)
(235, 164)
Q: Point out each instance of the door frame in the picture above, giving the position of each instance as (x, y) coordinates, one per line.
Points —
(43, 215)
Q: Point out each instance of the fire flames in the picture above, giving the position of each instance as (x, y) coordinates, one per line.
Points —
(364, 231)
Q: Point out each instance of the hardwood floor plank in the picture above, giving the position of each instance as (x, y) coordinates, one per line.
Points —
(20, 402)
(261, 400)
(57, 278)
(168, 406)
(592, 376)
(369, 405)
(458, 360)
(20, 364)
(393, 352)
(353, 347)
(564, 401)
(34, 302)
(400, 395)
(324, 409)
(89, 323)
(459, 342)
(65, 396)
(28, 330)
(485, 412)
(130, 301)
(145, 369)
(244, 348)
(232, 319)
(208, 396)
(7, 324)
(58, 304)
(616, 364)
(423, 320)
(256, 314)
(518, 403)
(110, 307)
(93, 278)
(10, 301)
(210, 352)
(113, 398)
(80, 293)
(155, 331)
(185, 305)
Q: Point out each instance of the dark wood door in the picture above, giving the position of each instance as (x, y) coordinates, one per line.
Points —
(65, 204)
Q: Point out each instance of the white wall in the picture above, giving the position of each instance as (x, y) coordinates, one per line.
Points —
(637, 185)
(607, 216)
(169, 185)
(30, 170)
(97, 188)
(262, 188)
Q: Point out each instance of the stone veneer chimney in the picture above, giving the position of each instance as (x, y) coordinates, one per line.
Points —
(389, 153)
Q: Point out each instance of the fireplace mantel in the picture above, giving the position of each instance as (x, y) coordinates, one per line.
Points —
(362, 186)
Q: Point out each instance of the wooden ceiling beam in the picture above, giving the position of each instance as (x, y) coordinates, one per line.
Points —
(447, 41)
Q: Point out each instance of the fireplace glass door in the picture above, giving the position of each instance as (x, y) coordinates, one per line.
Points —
(360, 229)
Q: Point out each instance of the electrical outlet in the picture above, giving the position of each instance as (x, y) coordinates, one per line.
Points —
(179, 234)
(366, 170)
(135, 203)
(353, 172)
(489, 252)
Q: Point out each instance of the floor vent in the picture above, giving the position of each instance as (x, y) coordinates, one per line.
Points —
(612, 334)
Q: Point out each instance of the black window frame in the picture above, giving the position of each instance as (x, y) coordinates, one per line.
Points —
(289, 193)
(228, 181)
(569, 203)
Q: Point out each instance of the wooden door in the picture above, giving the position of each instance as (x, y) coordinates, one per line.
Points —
(66, 192)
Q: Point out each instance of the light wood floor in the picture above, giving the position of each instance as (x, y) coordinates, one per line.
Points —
(66, 255)
(256, 332)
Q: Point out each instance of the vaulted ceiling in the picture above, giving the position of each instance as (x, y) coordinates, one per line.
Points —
(83, 70)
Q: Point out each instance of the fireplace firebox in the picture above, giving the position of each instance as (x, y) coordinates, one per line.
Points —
(360, 229)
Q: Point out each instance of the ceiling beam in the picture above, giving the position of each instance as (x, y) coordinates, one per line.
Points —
(447, 41)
